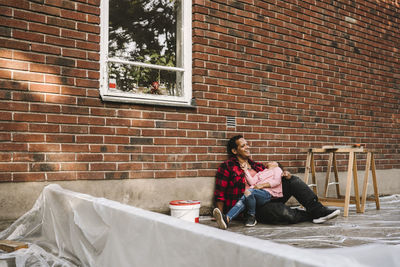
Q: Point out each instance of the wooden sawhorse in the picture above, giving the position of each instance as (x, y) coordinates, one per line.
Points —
(341, 201)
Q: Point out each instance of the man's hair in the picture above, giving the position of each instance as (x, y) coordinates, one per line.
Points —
(232, 144)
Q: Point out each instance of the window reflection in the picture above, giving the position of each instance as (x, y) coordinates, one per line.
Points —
(145, 31)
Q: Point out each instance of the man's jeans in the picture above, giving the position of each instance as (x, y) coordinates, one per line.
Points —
(276, 211)
(301, 191)
(258, 197)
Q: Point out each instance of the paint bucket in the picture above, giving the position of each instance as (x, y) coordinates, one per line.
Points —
(187, 210)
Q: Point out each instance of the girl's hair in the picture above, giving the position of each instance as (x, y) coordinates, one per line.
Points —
(232, 144)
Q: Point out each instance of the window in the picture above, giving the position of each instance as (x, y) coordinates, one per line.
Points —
(146, 51)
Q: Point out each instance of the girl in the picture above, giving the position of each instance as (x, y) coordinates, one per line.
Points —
(260, 187)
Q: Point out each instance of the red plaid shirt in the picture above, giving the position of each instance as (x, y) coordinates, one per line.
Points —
(230, 181)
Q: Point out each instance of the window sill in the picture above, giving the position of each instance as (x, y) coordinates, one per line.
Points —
(149, 101)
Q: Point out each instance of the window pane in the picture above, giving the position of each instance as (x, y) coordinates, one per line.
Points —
(146, 54)
(142, 80)
(145, 31)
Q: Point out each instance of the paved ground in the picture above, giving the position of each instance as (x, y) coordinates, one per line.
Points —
(373, 226)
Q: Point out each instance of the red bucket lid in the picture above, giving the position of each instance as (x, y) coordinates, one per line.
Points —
(184, 202)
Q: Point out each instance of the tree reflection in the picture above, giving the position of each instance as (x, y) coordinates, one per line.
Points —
(143, 31)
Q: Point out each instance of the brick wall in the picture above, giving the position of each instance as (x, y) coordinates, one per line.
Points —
(300, 74)
(292, 76)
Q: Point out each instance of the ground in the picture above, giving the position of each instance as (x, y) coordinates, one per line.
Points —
(373, 226)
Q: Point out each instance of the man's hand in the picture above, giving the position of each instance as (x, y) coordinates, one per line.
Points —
(245, 166)
(286, 175)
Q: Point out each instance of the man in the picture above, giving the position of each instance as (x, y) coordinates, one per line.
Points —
(230, 185)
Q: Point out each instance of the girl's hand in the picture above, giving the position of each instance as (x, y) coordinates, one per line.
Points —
(258, 186)
(272, 164)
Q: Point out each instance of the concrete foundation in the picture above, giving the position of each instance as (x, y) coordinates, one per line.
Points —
(155, 194)
(150, 194)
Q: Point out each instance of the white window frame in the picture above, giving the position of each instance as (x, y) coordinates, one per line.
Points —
(185, 100)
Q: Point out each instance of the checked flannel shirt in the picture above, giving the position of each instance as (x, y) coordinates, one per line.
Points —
(230, 181)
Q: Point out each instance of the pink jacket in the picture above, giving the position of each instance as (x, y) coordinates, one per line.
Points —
(272, 176)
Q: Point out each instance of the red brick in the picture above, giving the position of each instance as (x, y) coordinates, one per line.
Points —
(89, 9)
(130, 166)
(66, 166)
(69, 90)
(29, 36)
(118, 122)
(14, 167)
(60, 157)
(29, 16)
(87, 83)
(102, 130)
(165, 174)
(61, 22)
(5, 74)
(44, 29)
(45, 88)
(142, 123)
(74, 53)
(13, 23)
(28, 177)
(74, 148)
(28, 138)
(88, 46)
(116, 140)
(26, 76)
(141, 174)
(46, 48)
(56, 138)
(74, 72)
(44, 128)
(116, 158)
(61, 176)
(29, 117)
(92, 175)
(9, 64)
(45, 9)
(103, 166)
(78, 129)
(73, 15)
(7, 116)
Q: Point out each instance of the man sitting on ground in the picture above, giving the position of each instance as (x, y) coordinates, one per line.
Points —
(230, 186)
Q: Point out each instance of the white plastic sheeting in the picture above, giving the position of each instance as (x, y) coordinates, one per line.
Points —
(66, 228)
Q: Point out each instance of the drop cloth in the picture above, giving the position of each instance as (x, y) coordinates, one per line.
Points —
(66, 228)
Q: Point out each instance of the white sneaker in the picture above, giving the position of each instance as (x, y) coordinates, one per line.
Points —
(221, 219)
(329, 214)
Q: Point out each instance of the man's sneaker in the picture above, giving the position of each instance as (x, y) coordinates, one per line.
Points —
(250, 221)
(326, 214)
(221, 219)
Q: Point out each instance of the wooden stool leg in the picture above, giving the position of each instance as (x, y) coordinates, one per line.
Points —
(336, 175)
(365, 186)
(355, 177)
(328, 173)
(314, 180)
(348, 184)
(307, 170)
(374, 182)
